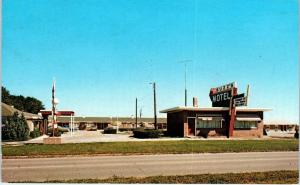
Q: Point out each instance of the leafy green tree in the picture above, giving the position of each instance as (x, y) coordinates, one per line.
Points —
(15, 128)
(32, 105)
(5, 95)
(24, 132)
(27, 104)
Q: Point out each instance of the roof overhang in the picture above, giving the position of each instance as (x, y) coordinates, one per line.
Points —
(212, 109)
(248, 119)
(279, 123)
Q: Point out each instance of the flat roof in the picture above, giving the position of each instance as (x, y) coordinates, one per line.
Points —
(280, 122)
(239, 109)
(107, 119)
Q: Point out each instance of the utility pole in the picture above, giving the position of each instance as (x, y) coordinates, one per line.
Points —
(136, 122)
(140, 113)
(155, 117)
(185, 90)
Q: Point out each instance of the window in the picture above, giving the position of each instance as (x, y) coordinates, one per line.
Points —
(209, 123)
(245, 124)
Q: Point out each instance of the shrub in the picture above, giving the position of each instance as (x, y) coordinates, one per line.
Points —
(146, 133)
(56, 134)
(15, 128)
(35, 133)
(110, 130)
(165, 133)
(296, 135)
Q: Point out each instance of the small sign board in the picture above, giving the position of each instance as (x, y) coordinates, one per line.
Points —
(226, 87)
(241, 101)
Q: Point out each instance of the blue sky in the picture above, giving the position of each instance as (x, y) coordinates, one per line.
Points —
(104, 53)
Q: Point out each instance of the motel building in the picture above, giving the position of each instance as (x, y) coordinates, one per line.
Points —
(226, 117)
(67, 119)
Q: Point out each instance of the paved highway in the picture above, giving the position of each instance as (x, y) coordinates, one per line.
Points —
(41, 169)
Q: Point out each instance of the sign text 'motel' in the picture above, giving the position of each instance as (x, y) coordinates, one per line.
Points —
(220, 96)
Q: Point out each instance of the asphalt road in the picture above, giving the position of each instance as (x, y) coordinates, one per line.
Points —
(41, 169)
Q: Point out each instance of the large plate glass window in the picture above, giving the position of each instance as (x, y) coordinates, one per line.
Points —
(209, 122)
(245, 124)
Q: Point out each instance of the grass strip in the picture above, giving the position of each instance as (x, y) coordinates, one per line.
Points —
(271, 177)
(152, 147)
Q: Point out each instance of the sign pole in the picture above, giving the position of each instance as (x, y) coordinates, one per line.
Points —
(232, 112)
(247, 96)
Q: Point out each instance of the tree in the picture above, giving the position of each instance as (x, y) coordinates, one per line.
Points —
(15, 128)
(5, 95)
(33, 105)
(27, 104)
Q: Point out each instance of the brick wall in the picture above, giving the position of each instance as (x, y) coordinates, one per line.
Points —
(255, 132)
(175, 126)
(52, 140)
(185, 129)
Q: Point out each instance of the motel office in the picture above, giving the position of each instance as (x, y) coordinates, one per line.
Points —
(214, 121)
(228, 116)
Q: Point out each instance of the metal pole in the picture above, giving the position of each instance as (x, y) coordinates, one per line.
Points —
(185, 91)
(247, 96)
(136, 122)
(53, 107)
(52, 123)
(72, 125)
(140, 113)
(117, 125)
(155, 118)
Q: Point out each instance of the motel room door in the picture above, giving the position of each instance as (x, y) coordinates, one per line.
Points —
(191, 126)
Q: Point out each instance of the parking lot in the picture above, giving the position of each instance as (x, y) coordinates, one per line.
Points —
(83, 136)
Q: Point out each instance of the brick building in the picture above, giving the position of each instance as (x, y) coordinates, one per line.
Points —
(214, 121)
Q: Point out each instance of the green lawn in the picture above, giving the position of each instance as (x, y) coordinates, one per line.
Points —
(152, 147)
(274, 177)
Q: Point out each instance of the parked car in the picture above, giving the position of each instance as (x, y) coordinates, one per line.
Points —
(92, 128)
(60, 129)
(110, 130)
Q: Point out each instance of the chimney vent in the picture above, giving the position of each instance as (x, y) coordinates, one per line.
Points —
(195, 102)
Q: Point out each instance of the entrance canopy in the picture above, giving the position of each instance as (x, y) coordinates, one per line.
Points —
(46, 113)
